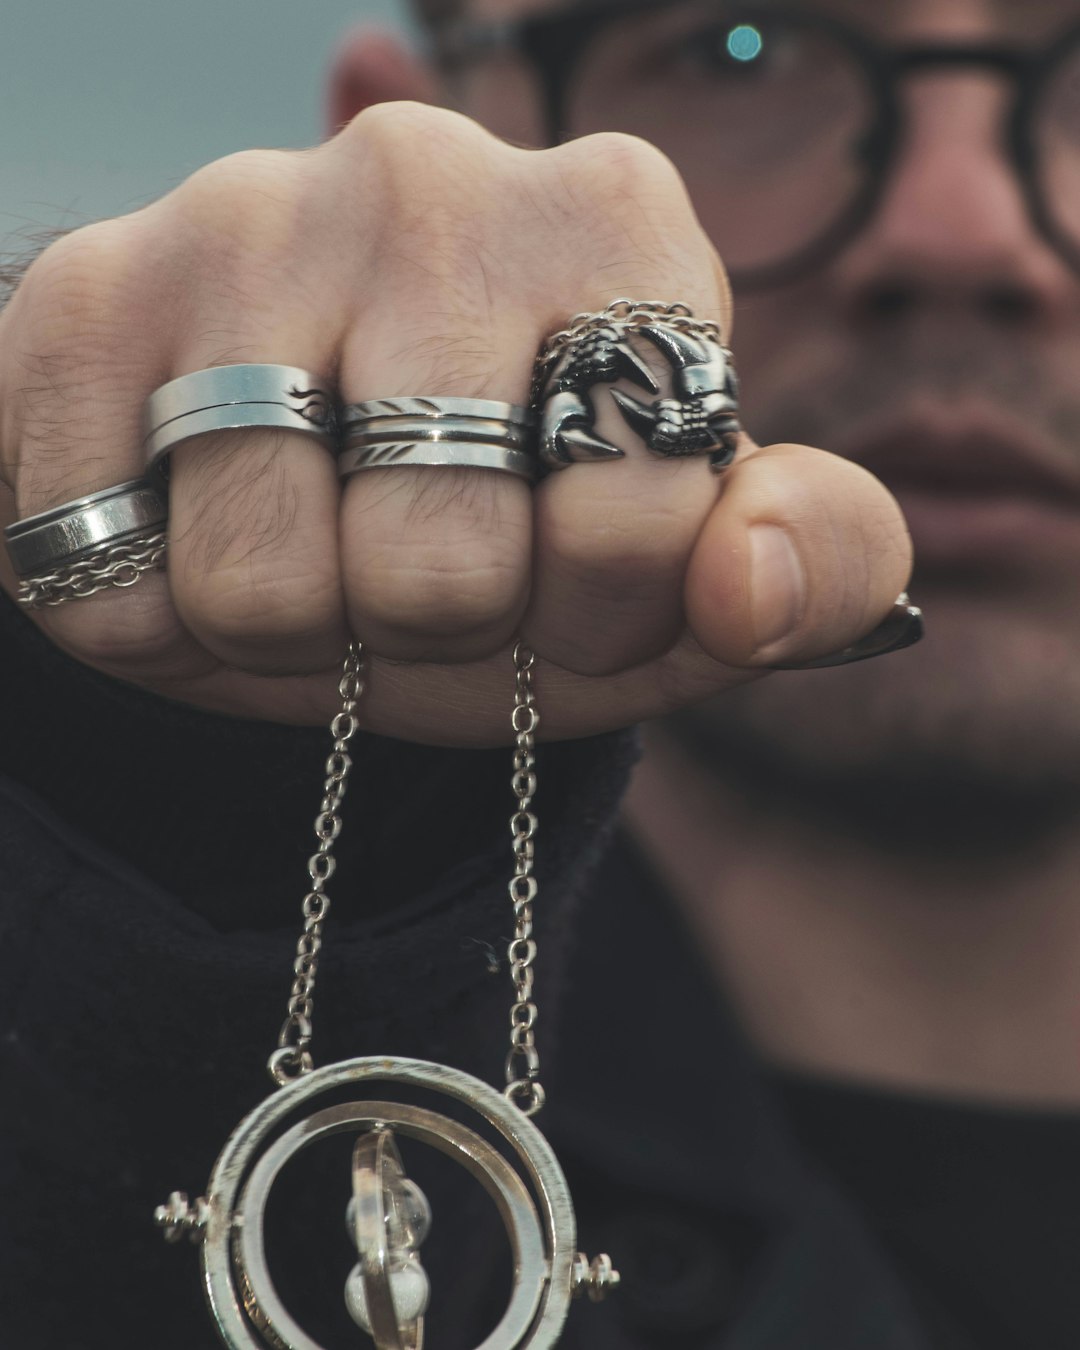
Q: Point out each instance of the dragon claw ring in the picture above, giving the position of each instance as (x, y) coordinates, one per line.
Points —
(696, 415)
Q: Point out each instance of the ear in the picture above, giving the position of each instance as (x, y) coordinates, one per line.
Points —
(374, 66)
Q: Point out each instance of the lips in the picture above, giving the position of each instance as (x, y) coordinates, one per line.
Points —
(974, 484)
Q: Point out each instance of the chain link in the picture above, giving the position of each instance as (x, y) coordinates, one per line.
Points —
(119, 565)
(628, 315)
(523, 1086)
(292, 1059)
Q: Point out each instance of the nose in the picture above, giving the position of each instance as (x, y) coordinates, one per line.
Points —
(953, 227)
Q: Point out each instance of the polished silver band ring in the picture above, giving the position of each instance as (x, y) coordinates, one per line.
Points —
(86, 525)
(450, 432)
(225, 398)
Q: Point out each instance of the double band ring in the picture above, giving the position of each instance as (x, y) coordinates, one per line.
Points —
(450, 432)
(84, 526)
(107, 538)
(224, 398)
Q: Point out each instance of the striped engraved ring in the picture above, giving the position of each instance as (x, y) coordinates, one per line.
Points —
(452, 432)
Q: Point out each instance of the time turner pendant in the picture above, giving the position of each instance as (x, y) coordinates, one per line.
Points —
(386, 1214)
(387, 1291)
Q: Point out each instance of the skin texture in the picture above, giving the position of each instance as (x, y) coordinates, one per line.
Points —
(412, 253)
(857, 837)
(881, 860)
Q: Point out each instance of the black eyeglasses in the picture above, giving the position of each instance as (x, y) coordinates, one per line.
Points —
(784, 123)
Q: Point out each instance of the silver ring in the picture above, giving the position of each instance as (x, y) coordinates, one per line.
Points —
(223, 398)
(696, 414)
(449, 432)
(86, 525)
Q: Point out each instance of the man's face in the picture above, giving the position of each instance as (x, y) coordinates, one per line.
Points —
(941, 348)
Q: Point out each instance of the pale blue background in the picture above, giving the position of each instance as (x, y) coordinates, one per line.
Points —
(108, 103)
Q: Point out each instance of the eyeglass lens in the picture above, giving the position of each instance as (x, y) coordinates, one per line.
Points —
(1056, 143)
(768, 119)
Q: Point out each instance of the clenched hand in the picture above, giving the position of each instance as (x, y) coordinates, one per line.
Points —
(415, 254)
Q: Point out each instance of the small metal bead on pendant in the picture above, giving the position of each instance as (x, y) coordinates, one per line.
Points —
(596, 1278)
(177, 1218)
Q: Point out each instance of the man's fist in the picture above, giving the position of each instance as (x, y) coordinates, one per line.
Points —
(414, 254)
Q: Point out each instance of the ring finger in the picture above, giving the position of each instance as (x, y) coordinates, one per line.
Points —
(254, 563)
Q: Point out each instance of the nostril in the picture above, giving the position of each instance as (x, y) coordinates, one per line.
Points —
(1008, 304)
(888, 301)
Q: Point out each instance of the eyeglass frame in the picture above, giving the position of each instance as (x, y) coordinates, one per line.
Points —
(553, 43)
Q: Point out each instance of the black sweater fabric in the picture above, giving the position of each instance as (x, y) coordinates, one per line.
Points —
(152, 861)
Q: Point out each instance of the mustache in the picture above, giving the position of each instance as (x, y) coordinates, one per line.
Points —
(811, 395)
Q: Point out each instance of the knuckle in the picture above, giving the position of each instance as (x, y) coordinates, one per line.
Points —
(123, 632)
(397, 133)
(437, 553)
(445, 597)
(619, 166)
(626, 544)
(247, 203)
(627, 206)
(241, 606)
(431, 175)
(77, 280)
(432, 189)
(425, 168)
(251, 562)
(238, 174)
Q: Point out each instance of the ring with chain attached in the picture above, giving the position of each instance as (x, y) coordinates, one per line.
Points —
(107, 538)
(696, 415)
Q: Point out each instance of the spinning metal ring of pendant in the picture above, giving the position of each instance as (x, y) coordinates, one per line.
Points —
(246, 1306)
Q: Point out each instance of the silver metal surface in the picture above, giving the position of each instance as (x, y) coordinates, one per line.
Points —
(232, 1248)
(447, 454)
(439, 432)
(699, 417)
(523, 1086)
(217, 386)
(224, 398)
(118, 565)
(292, 1058)
(482, 430)
(86, 525)
(436, 409)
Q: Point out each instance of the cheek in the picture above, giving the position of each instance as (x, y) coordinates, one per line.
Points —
(784, 341)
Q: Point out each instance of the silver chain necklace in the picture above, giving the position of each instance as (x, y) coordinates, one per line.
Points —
(387, 1215)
